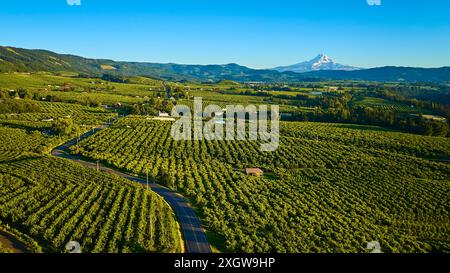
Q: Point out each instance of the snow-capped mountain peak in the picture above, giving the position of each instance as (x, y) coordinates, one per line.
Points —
(321, 62)
(323, 58)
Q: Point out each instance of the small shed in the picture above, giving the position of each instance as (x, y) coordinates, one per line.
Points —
(254, 171)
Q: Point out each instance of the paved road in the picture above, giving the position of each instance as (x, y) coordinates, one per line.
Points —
(194, 235)
(12, 243)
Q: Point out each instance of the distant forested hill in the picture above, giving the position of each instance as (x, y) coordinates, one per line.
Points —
(387, 73)
(26, 60)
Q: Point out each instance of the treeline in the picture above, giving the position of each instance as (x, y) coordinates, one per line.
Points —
(26, 94)
(337, 108)
(326, 100)
(65, 127)
(442, 109)
(334, 107)
(163, 102)
(19, 93)
(16, 107)
(378, 117)
(431, 92)
(151, 107)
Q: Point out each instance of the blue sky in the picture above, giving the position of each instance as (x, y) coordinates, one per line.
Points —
(255, 33)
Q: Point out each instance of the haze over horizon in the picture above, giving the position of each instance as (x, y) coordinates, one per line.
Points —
(257, 34)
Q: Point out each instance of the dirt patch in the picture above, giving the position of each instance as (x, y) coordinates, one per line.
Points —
(107, 67)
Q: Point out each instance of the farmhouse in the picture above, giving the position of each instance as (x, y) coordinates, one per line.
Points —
(254, 171)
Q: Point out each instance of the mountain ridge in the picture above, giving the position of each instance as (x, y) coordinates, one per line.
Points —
(14, 59)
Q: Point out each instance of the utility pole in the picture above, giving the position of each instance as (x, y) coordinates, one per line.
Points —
(98, 165)
(147, 179)
(78, 140)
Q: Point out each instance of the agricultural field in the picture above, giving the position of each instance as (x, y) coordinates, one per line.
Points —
(386, 105)
(46, 202)
(43, 113)
(54, 202)
(49, 82)
(210, 136)
(81, 90)
(328, 188)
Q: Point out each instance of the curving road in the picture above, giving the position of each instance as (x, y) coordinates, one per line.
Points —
(194, 235)
(11, 242)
